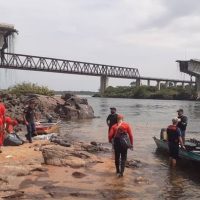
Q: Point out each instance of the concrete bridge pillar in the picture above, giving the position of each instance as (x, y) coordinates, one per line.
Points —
(198, 86)
(167, 83)
(183, 85)
(103, 84)
(158, 85)
(175, 84)
(148, 83)
(138, 82)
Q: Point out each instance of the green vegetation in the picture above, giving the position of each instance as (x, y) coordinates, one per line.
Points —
(151, 92)
(75, 92)
(29, 88)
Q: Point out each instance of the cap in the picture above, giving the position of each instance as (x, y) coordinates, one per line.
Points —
(180, 110)
(175, 120)
(119, 116)
(113, 108)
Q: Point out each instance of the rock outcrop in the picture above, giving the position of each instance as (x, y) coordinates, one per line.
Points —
(67, 107)
(72, 156)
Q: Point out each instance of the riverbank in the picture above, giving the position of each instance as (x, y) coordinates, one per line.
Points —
(151, 92)
(24, 175)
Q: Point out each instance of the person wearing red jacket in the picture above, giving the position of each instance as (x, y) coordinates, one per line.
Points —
(10, 124)
(120, 127)
(2, 122)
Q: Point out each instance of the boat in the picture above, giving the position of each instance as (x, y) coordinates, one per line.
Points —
(192, 152)
(47, 128)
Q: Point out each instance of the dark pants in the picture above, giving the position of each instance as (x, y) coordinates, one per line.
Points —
(173, 150)
(30, 131)
(120, 156)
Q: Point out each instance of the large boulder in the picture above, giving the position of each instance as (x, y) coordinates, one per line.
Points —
(67, 156)
(66, 107)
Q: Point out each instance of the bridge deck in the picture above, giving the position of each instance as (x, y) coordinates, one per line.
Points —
(37, 63)
(45, 64)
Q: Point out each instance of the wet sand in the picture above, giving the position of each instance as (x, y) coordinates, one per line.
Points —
(24, 176)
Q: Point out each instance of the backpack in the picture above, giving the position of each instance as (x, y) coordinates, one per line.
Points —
(122, 140)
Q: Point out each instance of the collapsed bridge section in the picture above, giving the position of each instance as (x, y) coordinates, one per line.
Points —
(191, 67)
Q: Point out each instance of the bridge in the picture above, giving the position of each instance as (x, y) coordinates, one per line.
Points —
(191, 67)
(45, 64)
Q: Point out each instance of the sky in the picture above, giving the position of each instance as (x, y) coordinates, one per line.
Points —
(147, 34)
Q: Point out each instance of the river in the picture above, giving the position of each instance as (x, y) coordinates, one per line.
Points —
(147, 117)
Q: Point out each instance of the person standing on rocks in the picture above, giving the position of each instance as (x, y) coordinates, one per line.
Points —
(112, 117)
(29, 120)
(116, 132)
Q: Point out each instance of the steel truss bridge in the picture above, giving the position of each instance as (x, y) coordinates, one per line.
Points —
(45, 64)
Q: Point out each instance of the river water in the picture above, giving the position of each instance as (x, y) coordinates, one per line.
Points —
(147, 117)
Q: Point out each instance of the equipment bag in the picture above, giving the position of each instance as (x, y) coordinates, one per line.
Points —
(122, 140)
(12, 140)
(125, 141)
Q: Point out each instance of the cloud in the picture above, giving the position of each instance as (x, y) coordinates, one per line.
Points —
(150, 34)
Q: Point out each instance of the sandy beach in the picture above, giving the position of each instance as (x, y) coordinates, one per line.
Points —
(23, 175)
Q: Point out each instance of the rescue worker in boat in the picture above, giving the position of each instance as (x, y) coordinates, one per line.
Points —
(182, 123)
(29, 120)
(174, 139)
(112, 117)
(120, 127)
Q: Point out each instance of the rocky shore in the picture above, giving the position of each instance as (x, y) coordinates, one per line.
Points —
(67, 106)
(47, 170)
(61, 167)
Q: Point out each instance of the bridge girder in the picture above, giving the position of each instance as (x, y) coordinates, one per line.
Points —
(36, 63)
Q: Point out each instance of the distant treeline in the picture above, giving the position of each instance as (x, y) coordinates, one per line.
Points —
(151, 92)
(76, 92)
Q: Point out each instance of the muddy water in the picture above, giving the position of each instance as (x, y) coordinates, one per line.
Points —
(147, 117)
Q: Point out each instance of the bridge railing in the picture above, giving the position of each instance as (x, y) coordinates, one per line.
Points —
(37, 63)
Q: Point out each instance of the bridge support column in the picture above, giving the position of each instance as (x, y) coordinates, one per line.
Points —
(103, 84)
(175, 84)
(183, 85)
(158, 85)
(198, 86)
(148, 83)
(138, 82)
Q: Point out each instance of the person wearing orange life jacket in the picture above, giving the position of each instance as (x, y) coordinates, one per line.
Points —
(116, 130)
(174, 138)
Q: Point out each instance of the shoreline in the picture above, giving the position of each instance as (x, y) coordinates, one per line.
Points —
(23, 175)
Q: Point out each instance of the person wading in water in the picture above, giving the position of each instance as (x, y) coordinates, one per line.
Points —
(174, 138)
(116, 132)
